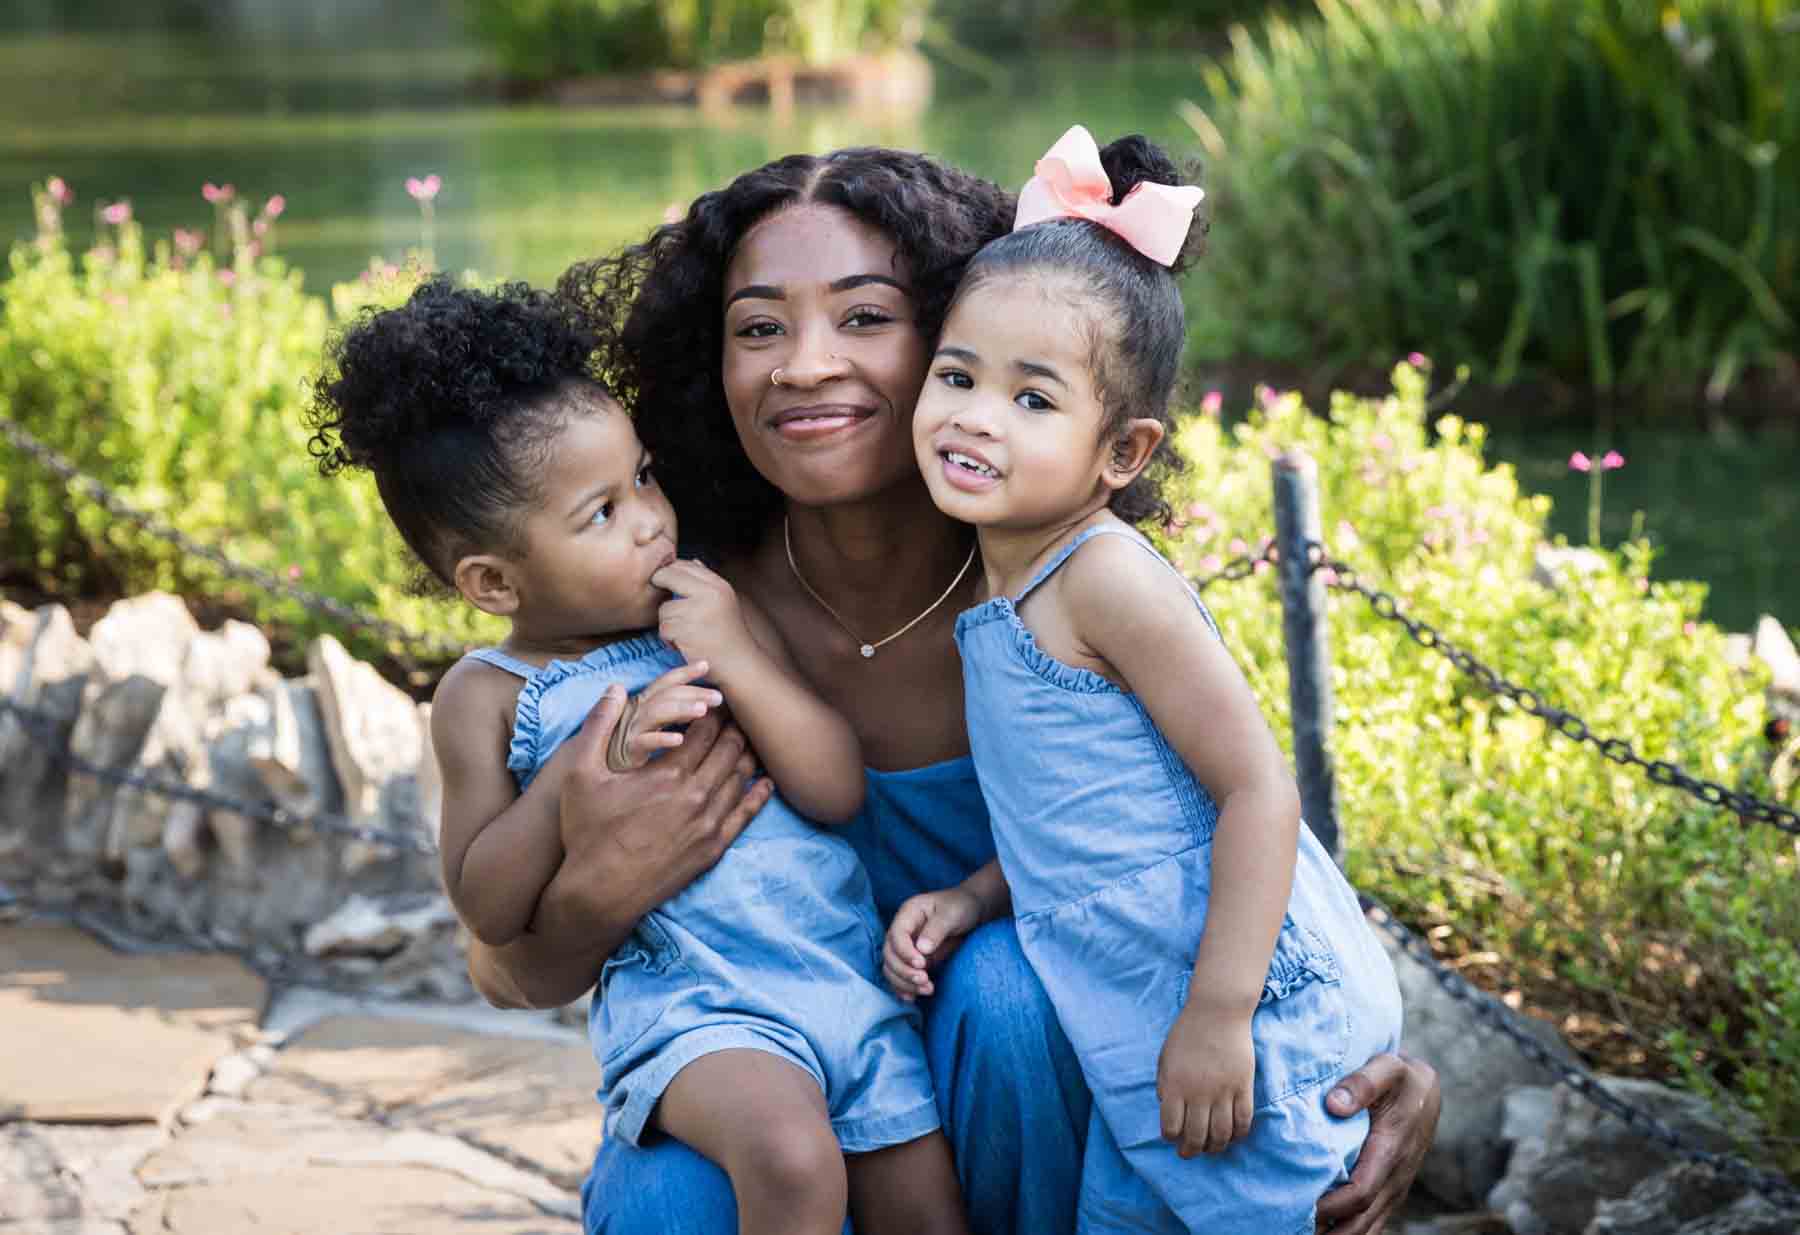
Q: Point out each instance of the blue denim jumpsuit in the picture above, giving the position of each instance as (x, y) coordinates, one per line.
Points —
(1105, 837)
(776, 949)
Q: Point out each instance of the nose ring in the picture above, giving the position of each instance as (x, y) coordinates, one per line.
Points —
(775, 377)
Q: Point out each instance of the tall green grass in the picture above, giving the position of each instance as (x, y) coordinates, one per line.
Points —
(1594, 191)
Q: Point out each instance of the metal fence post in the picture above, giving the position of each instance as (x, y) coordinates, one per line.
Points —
(1306, 637)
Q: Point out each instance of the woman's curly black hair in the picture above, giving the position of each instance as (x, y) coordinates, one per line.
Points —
(1136, 347)
(657, 310)
(453, 400)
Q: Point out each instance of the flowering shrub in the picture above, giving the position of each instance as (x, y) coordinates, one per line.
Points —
(180, 379)
(1457, 809)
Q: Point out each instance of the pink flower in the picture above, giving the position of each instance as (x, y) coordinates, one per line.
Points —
(1612, 461)
(117, 300)
(1210, 563)
(1418, 360)
(118, 214)
(1381, 441)
(1690, 629)
(423, 190)
(260, 227)
(218, 194)
(228, 277)
(59, 190)
(1267, 396)
(1200, 510)
(1237, 546)
(274, 206)
(188, 243)
(1579, 462)
(1211, 404)
(293, 573)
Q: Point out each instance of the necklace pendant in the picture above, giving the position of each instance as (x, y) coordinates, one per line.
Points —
(868, 651)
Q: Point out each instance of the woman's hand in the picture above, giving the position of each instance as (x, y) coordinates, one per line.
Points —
(1402, 1097)
(631, 840)
(1203, 1079)
(924, 931)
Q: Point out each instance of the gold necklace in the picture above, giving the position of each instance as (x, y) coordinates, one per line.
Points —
(868, 649)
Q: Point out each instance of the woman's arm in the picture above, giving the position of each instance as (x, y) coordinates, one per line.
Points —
(631, 840)
(810, 751)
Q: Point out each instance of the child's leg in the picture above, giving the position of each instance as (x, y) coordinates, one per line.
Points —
(764, 1120)
(908, 1189)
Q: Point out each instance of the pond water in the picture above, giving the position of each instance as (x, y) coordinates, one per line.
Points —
(336, 120)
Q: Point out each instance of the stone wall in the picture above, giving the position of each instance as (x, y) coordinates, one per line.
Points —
(147, 689)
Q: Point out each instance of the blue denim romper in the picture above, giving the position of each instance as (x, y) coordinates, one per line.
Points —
(1105, 837)
(776, 949)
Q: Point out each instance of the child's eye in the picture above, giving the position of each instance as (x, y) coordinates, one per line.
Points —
(1031, 400)
(645, 477)
(956, 378)
(602, 514)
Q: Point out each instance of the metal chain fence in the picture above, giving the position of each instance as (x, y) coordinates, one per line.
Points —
(267, 581)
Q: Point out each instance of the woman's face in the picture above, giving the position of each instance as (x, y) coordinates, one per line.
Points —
(821, 296)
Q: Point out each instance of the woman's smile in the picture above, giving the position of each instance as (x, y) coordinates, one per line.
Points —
(815, 421)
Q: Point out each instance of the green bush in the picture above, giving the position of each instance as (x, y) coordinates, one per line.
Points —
(1458, 810)
(1590, 190)
(182, 383)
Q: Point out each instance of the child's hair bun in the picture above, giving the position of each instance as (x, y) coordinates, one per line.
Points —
(449, 358)
(1134, 160)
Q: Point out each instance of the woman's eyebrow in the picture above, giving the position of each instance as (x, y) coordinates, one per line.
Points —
(850, 282)
(756, 291)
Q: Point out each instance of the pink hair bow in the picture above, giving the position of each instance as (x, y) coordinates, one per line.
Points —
(1070, 183)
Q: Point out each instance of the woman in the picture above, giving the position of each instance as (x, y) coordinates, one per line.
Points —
(771, 345)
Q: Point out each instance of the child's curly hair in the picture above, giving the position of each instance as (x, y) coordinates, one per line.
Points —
(452, 400)
(1137, 343)
(657, 309)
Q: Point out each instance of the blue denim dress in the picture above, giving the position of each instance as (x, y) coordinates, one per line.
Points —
(1105, 837)
(776, 949)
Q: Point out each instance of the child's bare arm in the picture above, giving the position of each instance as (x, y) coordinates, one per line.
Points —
(1137, 617)
(809, 751)
(499, 849)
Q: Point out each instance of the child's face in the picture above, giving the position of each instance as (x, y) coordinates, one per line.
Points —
(1007, 430)
(602, 529)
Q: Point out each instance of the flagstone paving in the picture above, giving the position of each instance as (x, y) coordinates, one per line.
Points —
(170, 1093)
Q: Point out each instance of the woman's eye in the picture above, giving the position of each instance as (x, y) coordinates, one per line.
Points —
(866, 316)
(602, 514)
(645, 476)
(758, 330)
(956, 378)
(1031, 400)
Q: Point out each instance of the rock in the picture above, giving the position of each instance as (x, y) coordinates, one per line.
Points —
(232, 661)
(294, 758)
(234, 1167)
(1582, 1155)
(1478, 1223)
(62, 1178)
(1477, 1068)
(364, 926)
(44, 665)
(112, 731)
(532, 1102)
(1666, 1202)
(430, 780)
(147, 635)
(1771, 645)
(1553, 566)
(112, 1038)
(1749, 1215)
(372, 729)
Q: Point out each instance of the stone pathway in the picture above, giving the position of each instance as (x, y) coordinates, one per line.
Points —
(173, 1093)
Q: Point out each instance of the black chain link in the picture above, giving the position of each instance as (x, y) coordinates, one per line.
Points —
(1240, 567)
(1497, 1016)
(103, 496)
(41, 725)
(1620, 751)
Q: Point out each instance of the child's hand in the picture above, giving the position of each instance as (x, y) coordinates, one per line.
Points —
(916, 938)
(702, 617)
(672, 699)
(1203, 1080)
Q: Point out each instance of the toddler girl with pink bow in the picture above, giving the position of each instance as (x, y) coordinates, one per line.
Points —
(1205, 956)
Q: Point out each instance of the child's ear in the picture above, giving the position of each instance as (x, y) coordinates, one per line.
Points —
(486, 581)
(1131, 450)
